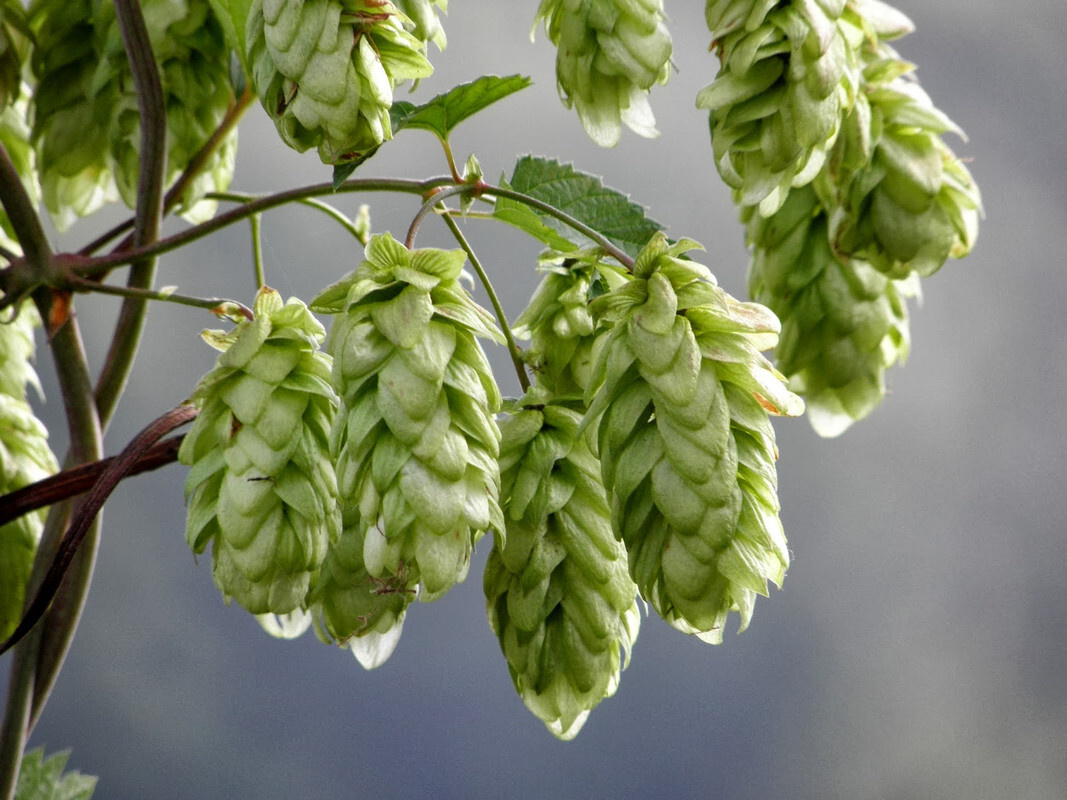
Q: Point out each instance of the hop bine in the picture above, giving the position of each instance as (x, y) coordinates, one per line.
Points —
(609, 54)
(261, 486)
(559, 596)
(415, 441)
(680, 397)
(325, 70)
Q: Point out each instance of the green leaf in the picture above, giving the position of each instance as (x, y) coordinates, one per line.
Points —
(233, 15)
(580, 195)
(446, 111)
(43, 779)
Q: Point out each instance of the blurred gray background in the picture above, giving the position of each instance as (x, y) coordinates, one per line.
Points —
(919, 646)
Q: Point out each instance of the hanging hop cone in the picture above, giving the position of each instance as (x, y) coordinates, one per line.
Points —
(352, 607)
(788, 75)
(844, 323)
(559, 325)
(261, 487)
(559, 595)
(415, 441)
(24, 459)
(194, 68)
(325, 71)
(900, 198)
(609, 53)
(680, 398)
(424, 23)
(71, 116)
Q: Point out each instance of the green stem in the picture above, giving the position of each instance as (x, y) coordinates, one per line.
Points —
(213, 304)
(255, 222)
(100, 265)
(335, 214)
(431, 204)
(451, 161)
(513, 347)
(24, 219)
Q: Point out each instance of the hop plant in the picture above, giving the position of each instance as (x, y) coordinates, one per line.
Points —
(680, 398)
(71, 115)
(559, 596)
(415, 441)
(194, 66)
(609, 54)
(559, 325)
(14, 45)
(789, 74)
(261, 486)
(325, 71)
(901, 199)
(24, 459)
(425, 25)
(844, 323)
(15, 137)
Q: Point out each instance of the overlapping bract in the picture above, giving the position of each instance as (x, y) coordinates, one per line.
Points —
(325, 71)
(559, 595)
(681, 395)
(24, 459)
(261, 488)
(609, 55)
(425, 25)
(415, 441)
(86, 122)
(874, 199)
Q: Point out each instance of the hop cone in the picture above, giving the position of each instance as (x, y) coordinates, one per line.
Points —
(424, 24)
(325, 70)
(194, 67)
(356, 609)
(788, 76)
(24, 459)
(415, 441)
(559, 595)
(901, 199)
(72, 116)
(682, 395)
(843, 322)
(609, 53)
(560, 327)
(261, 485)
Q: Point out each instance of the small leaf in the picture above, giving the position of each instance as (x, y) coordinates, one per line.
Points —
(43, 779)
(233, 15)
(580, 195)
(446, 111)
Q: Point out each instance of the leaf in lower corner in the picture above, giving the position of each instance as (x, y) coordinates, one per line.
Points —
(580, 195)
(42, 778)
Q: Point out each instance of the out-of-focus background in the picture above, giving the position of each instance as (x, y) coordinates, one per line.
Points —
(919, 646)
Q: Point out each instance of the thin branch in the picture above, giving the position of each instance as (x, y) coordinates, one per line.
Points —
(77, 480)
(431, 205)
(23, 216)
(213, 304)
(118, 469)
(513, 348)
(102, 264)
(255, 223)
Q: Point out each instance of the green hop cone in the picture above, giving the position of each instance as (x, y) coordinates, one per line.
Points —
(261, 486)
(425, 25)
(609, 54)
(788, 75)
(25, 458)
(844, 323)
(415, 440)
(901, 200)
(680, 399)
(194, 69)
(559, 595)
(559, 325)
(71, 116)
(354, 608)
(325, 71)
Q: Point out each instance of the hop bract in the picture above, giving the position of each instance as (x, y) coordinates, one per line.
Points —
(559, 595)
(424, 24)
(261, 488)
(680, 398)
(325, 71)
(609, 54)
(415, 440)
(25, 458)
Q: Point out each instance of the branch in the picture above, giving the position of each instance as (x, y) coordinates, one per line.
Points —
(78, 480)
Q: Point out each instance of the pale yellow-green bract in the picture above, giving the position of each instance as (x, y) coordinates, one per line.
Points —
(261, 487)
